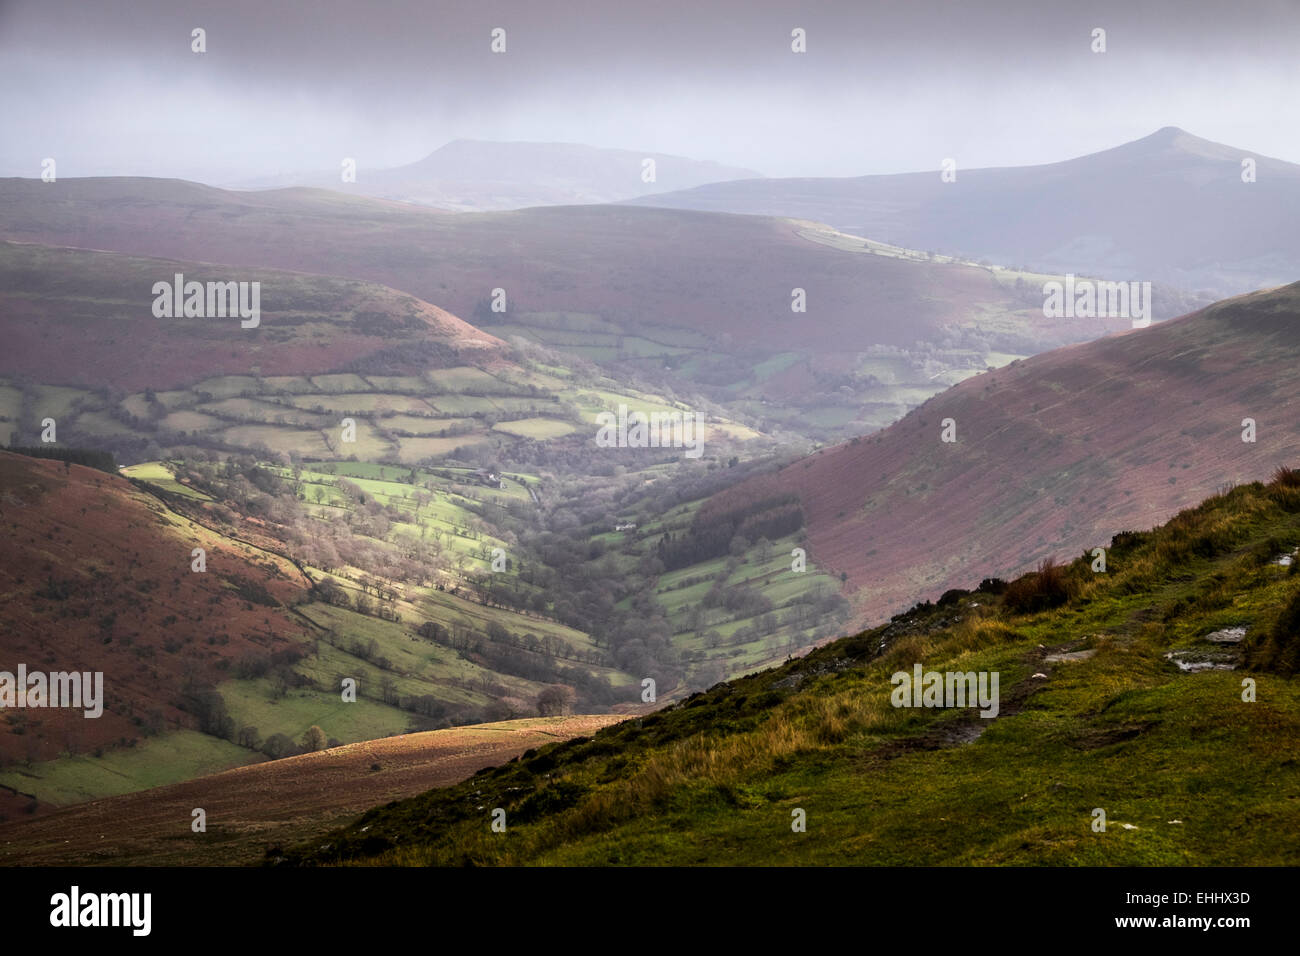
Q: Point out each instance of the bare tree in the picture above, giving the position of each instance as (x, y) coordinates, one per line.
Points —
(314, 739)
(554, 701)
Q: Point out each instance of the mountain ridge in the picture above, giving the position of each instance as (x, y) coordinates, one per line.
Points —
(1170, 207)
(473, 175)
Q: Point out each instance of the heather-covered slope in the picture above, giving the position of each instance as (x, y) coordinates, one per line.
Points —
(1053, 454)
(77, 317)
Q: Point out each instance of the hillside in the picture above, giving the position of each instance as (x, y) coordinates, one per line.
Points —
(1053, 454)
(402, 525)
(88, 351)
(255, 808)
(208, 670)
(1160, 693)
(1170, 207)
(475, 175)
(91, 317)
(96, 576)
(696, 302)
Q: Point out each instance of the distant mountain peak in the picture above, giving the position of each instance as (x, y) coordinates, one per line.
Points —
(1177, 139)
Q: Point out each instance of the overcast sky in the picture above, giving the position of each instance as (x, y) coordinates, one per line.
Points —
(111, 87)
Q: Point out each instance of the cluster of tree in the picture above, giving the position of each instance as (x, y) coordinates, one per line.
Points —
(369, 651)
(527, 656)
(460, 637)
(253, 666)
(741, 600)
(714, 533)
(412, 357)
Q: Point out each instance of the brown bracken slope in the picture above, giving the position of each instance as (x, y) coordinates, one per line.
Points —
(250, 810)
(1054, 454)
(95, 575)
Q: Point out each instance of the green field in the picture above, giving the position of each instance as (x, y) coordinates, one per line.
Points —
(253, 703)
(298, 441)
(466, 379)
(158, 474)
(153, 762)
(190, 422)
(536, 428)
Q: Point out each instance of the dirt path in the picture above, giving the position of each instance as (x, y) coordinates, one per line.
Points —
(252, 808)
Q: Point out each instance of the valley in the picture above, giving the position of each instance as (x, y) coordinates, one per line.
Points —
(383, 524)
(1148, 717)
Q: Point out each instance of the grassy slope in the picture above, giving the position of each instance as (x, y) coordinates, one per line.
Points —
(1187, 772)
(155, 762)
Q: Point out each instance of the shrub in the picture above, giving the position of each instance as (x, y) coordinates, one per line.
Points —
(556, 798)
(1040, 590)
(1286, 477)
(1285, 489)
(1126, 541)
(1279, 651)
(952, 596)
(278, 745)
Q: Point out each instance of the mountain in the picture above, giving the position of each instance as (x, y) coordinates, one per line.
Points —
(1146, 716)
(1169, 208)
(476, 175)
(1052, 455)
(702, 302)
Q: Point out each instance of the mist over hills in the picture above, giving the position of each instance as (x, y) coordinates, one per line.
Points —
(475, 175)
(697, 301)
(1170, 207)
(748, 434)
